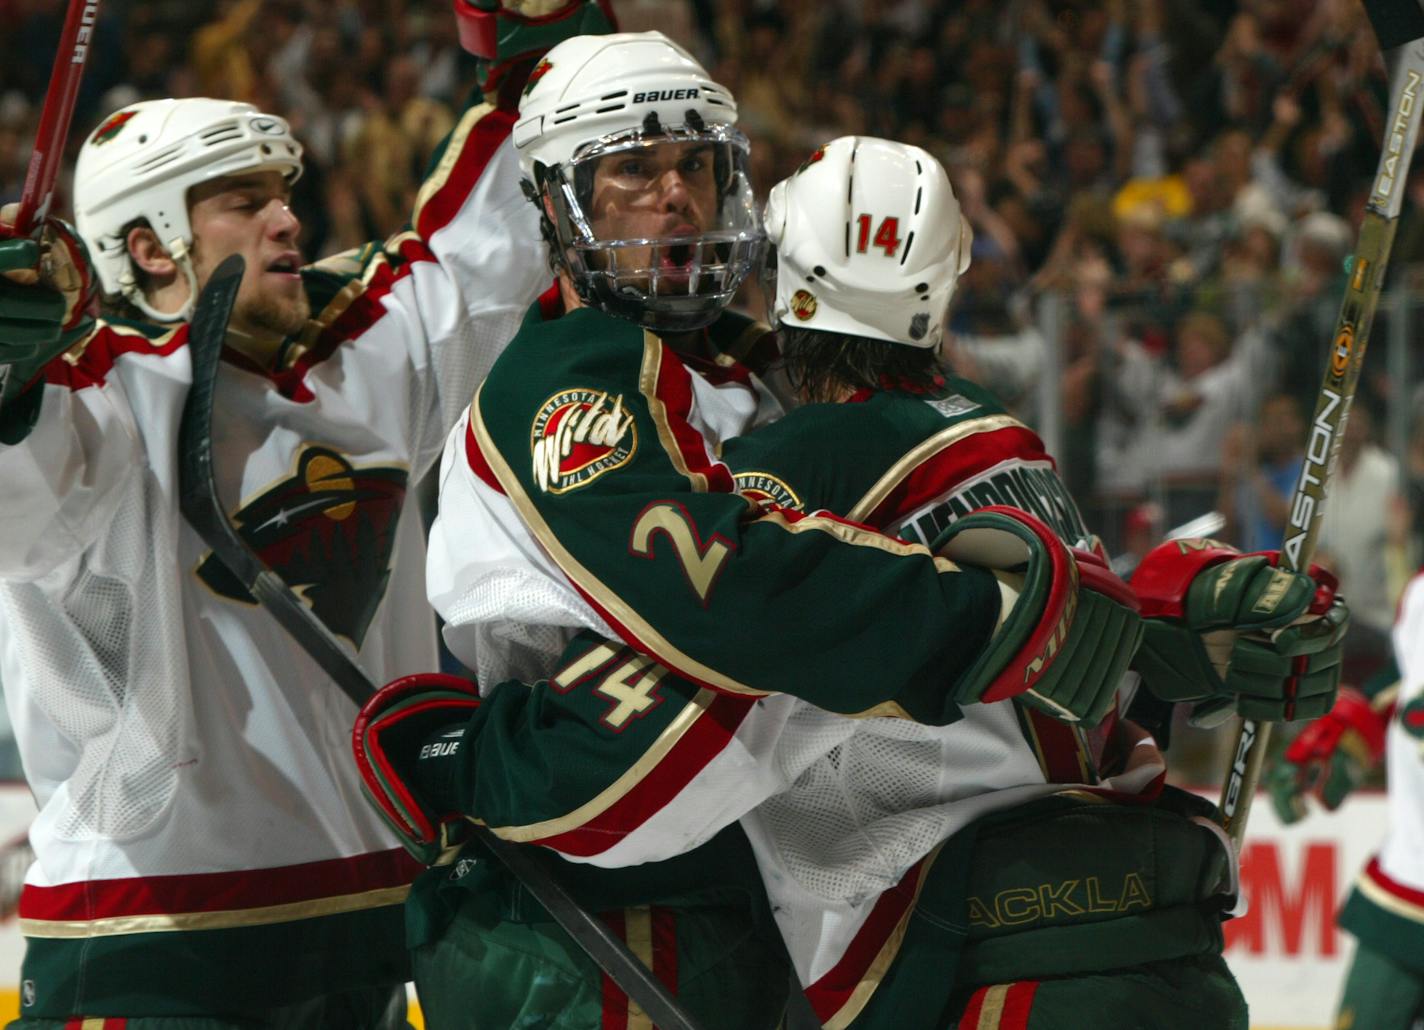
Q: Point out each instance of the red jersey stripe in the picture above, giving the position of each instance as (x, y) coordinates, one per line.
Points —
(831, 992)
(702, 741)
(674, 389)
(926, 482)
(105, 346)
(1392, 886)
(477, 149)
(1018, 1005)
(665, 947)
(615, 1002)
(218, 892)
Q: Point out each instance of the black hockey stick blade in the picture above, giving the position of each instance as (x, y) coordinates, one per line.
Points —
(198, 500)
(198, 497)
(1395, 22)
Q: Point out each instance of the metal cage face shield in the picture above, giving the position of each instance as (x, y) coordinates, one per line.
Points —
(658, 227)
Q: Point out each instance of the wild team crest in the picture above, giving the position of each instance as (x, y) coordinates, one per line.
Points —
(803, 305)
(764, 488)
(540, 70)
(329, 531)
(577, 436)
(111, 127)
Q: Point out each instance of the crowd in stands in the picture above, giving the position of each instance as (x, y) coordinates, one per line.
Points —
(1163, 195)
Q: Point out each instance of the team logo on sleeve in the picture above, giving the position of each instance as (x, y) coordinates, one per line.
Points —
(577, 436)
(328, 531)
(764, 488)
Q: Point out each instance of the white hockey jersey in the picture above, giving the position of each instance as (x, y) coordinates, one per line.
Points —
(1386, 909)
(191, 763)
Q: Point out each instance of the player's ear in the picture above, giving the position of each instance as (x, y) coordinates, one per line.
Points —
(148, 254)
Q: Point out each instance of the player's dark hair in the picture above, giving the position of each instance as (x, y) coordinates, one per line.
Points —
(821, 366)
(116, 305)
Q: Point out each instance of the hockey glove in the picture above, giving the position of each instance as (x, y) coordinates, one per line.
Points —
(1227, 630)
(407, 742)
(46, 291)
(1068, 626)
(1330, 757)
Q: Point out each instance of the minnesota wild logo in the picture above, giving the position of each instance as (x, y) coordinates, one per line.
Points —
(577, 436)
(111, 127)
(803, 305)
(540, 70)
(764, 488)
(328, 531)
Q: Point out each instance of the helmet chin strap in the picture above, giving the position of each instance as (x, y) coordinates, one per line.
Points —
(131, 292)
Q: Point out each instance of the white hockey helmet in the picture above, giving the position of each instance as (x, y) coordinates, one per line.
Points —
(142, 160)
(868, 241)
(596, 97)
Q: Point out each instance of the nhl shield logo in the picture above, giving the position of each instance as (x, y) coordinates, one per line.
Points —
(577, 436)
(803, 305)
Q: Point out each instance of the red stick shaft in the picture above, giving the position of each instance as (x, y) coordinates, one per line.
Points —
(63, 90)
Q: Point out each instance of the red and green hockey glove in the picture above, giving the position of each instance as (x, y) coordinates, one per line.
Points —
(509, 35)
(1068, 626)
(46, 291)
(407, 743)
(1330, 757)
(1230, 630)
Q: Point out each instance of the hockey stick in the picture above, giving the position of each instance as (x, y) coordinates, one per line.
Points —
(198, 500)
(60, 97)
(1342, 373)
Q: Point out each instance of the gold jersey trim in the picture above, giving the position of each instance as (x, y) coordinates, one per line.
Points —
(889, 951)
(648, 387)
(620, 787)
(1387, 901)
(223, 920)
(921, 453)
(620, 610)
(440, 175)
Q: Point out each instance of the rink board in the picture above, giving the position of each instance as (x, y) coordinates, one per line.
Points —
(1286, 950)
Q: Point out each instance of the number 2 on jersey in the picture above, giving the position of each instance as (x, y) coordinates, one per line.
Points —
(887, 237)
(701, 563)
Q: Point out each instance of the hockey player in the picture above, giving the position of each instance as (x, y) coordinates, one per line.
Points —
(632, 155)
(1331, 757)
(855, 806)
(203, 856)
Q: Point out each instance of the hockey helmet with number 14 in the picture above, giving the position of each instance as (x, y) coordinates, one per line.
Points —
(868, 241)
(632, 155)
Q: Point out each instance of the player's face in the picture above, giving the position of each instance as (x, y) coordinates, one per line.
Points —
(248, 215)
(665, 190)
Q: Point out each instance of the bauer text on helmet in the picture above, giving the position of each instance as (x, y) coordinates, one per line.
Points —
(141, 162)
(631, 152)
(869, 241)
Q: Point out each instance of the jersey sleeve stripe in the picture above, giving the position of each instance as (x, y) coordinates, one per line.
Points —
(472, 145)
(698, 735)
(89, 362)
(920, 475)
(351, 312)
(840, 995)
(1389, 894)
(667, 385)
(475, 458)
